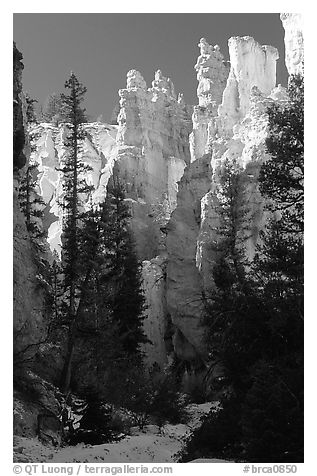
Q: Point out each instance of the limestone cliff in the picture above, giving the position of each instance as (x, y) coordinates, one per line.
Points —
(29, 306)
(19, 139)
(294, 42)
(168, 156)
(212, 75)
(184, 287)
(99, 150)
(149, 149)
(36, 401)
(153, 151)
(228, 123)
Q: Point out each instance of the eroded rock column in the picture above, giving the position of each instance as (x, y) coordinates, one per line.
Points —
(294, 42)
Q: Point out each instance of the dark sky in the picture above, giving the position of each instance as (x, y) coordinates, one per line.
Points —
(101, 47)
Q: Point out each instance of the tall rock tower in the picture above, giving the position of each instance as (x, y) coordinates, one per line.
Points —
(294, 42)
(228, 123)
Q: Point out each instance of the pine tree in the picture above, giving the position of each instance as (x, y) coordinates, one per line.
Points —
(233, 211)
(256, 317)
(237, 334)
(122, 272)
(112, 281)
(110, 298)
(30, 110)
(74, 189)
(272, 412)
(92, 305)
(280, 259)
(52, 110)
(279, 267)
(229, 307)
(282, 176)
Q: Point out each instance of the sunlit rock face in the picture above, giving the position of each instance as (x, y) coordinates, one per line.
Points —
(148, 150)
(238, 131)
(153, 151)
(294, 42)
(230, 123)
(98, 151)
(251, 65)
(223, 94)
(212, 74)
(231, 127)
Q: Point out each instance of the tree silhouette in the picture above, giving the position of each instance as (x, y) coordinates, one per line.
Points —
(74, 189)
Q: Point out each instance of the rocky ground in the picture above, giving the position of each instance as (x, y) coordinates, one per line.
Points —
(150, 445)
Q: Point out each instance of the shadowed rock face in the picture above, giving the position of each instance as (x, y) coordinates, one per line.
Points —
(184, 287)
(29, 307)
(36, 401)
(19, 159)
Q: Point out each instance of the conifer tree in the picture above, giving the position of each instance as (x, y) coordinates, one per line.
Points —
(282, 184)
(74, 189)
(280, 259)
(30, 110)
(266, 351)
(111, 301)
(123, 272)
(52, 110)
(228, 308)
(92, 305)
(279, 267)
(282, 176)
(112, 283)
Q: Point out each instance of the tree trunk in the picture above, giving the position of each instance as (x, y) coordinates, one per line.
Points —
(67, 369)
